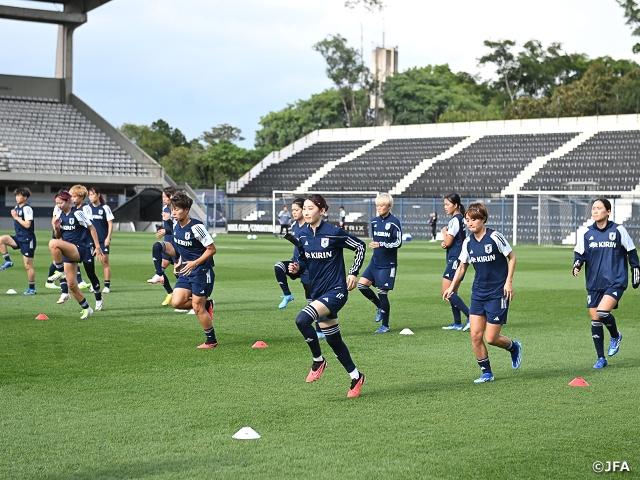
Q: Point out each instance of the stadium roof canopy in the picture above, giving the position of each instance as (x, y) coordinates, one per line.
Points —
(74, 14)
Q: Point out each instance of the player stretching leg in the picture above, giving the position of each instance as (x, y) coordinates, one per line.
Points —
(161, 258)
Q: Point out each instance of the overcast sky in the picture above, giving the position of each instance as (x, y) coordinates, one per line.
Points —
(200, 63)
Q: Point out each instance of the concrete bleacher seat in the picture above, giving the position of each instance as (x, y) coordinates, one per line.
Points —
(608, 161)
(45, 136)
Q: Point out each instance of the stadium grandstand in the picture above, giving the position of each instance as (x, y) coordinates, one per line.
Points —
(49, 138)
(537, 176)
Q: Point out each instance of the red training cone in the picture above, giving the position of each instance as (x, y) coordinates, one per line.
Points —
(259, 344)
(42, 316)
(578, 382)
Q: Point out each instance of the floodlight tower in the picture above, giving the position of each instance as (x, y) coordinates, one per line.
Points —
(73, 15)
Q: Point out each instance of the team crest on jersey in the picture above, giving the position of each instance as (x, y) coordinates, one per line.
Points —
(324, 242)
(100, 212)
(71, 221)
(187, 235)
(612, 235)
(488, 248)
(387, 226)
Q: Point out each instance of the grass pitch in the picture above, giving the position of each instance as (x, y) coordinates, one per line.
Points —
(126, 394)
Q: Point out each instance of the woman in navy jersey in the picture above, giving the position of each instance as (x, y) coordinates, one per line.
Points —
(194, 267)
(163, 251)
(494, 263)
(321, 254)
(607, 250)
(102, 219)
(75, 241)
(453, 235)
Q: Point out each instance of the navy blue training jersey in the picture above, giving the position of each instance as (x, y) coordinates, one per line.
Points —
(295, 231)
(489, 258)
(191, 241)
(606, 253)
(388, 233)
(167, 224)
(456, 230)
(75, 227)
(100, 217)
(25, 213)
(321, 254)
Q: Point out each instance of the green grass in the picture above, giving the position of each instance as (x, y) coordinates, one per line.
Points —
(126, 394)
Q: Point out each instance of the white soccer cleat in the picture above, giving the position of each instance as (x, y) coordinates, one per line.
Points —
(99, 304)
(63, 298)
(84, 285)
(51, 285)
(57, 276)
(86, 313)
(156, 279)
(106, 290)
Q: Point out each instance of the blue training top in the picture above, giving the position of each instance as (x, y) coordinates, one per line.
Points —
(456, 230)
(167, 224)
(321, 254)
(191, 241)
(75, 227)
(605, 253)
(295, 231)
(489, 258)
(25, 213)
(100, 217)
(388, 233)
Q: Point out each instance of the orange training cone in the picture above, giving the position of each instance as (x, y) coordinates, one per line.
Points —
(259, 344)
(578, 382)
(42, 316)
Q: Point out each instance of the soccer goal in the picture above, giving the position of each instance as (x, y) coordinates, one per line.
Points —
(554, 217)
(359, 204)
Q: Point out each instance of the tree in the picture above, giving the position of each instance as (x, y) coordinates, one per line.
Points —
(370, 5)
(157, 140)
(508, 68)
(632, 13)
(224, 132)
(346, 70)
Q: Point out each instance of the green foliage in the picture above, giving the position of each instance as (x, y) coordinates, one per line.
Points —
(125, 394)
(370, 5)
(632, 13)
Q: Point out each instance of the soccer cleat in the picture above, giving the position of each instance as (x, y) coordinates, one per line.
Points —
(379, 315)
(356, 384)
(86, 313)
(51, 285)
(63, 298)
(453, 326)
(156, 279)
(516, 356)
(57, 276)
(7, 264)
(106, 290)
(316, 370)
(485, 377)
(467, 326)
(320, 335)
(286, 299)
(601, 363)
(99, 305)
(84, 285)
(32, 291)
(614, 344)
(208, 345)
(383, 329)
(167, 300)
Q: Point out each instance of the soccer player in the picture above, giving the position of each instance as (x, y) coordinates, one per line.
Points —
(75, 240)
(381, 272)
(453, 235)
(163, 252)
(494, 263)
(433, 223)
(343, 217)
(24, 239)
(194, 267)
(102, 219)
(321, 254)
(605, 248)
(285, 220)
(281, 269)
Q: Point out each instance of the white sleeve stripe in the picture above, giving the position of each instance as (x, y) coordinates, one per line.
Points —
(108, 212)
(202, 235)
(27, 213)
(625, 239)
(82, 218)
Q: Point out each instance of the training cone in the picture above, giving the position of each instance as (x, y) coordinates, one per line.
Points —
(578, 382)
(406, 331)
(246, 433)
(259, 344)
(11, 291)
(42, 316)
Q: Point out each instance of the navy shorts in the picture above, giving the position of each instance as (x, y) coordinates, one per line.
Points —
(495, 309)
(594, 297)
(26, 248)
(383, 278)
(104, 248)
(334, 300)
(450, 271)
(200, 284)
(86, 254)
